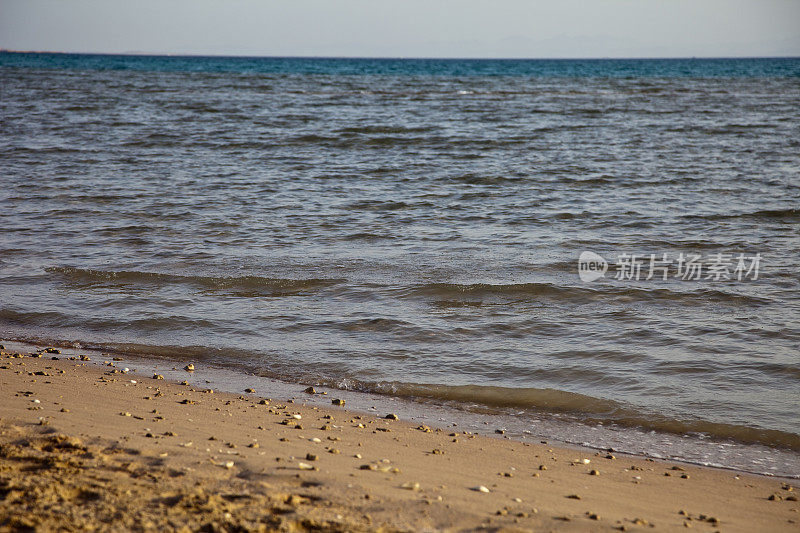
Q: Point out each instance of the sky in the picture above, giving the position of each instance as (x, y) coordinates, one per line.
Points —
(407, 28)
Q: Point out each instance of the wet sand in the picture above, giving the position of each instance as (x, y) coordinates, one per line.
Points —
(87, 446)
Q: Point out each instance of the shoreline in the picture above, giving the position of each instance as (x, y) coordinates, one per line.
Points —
(339, 470)
(687, 447)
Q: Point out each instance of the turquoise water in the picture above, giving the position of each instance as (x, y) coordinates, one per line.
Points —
(614, 68)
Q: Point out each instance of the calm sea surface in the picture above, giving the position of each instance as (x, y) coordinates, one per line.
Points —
(413, 228)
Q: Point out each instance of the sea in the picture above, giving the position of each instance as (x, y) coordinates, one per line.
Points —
(601, 253)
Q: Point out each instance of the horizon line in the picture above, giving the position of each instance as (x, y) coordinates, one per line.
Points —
(440, 58)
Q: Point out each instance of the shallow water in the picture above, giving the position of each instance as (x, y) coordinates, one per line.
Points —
(413, 228)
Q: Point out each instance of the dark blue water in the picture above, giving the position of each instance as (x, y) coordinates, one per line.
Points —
(413, 228)
(563, 68)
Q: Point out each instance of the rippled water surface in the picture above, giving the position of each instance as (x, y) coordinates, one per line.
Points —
(413, 228)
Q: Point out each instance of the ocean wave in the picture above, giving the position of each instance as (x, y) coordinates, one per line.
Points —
(242, 285)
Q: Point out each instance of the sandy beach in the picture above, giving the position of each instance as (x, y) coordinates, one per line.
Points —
(85, 445)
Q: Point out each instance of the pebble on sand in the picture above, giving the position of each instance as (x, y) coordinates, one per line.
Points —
(337, 401)
(189, 367)
(480, 488)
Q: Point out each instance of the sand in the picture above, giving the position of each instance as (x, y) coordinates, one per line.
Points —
(85, 446)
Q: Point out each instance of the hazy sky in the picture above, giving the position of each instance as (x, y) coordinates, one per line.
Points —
(407, 28)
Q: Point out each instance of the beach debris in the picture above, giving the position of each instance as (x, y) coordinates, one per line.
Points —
(480, 488)
(189, 367)
(337, 401)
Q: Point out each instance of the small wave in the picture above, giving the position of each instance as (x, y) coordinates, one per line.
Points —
(452, 291)
(788, 214)
(386, 129)
(237, 286)
(584, 409)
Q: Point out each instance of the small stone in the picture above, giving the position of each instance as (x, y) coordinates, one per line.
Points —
(368, 467)
(311, 457)
(500, 431)
(594, 473)
(310, 390)
(158, 376)
(297, 417)
(791, 498)
(337, 401)
(480, 488)
(250, 391)
(410, 485)
(189, 367)
(574, 497)
(125, 414)
(52, 350)
(594, 516)
(391, 416)
(684, 476)
(542, 467)
(229, 465)
(304, 466)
